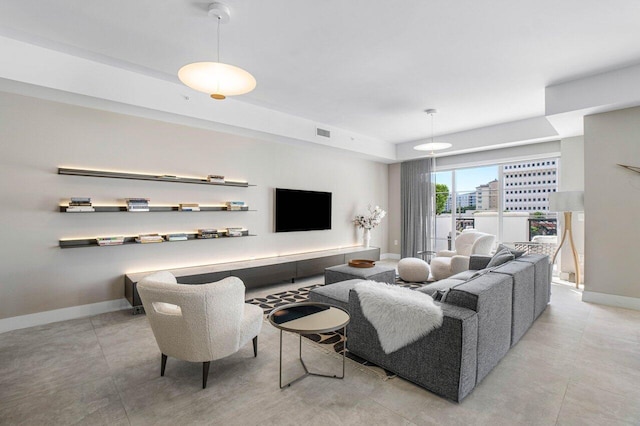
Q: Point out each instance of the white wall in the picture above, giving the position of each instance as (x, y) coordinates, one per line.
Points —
(572, 179)
(40, 136)
(612, 202)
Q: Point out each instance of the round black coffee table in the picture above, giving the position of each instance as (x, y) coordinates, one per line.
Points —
(309, 318)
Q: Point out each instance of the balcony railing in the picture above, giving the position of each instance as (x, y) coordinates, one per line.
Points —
(542, 226)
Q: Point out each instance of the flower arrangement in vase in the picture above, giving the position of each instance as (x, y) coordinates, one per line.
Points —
(369, 222)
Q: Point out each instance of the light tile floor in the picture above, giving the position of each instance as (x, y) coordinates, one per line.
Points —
(578, 365)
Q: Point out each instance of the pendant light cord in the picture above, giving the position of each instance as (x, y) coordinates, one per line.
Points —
(431, 128)
(432, 153)
(218, 39)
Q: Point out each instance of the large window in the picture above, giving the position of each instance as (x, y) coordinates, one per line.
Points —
(510, 201)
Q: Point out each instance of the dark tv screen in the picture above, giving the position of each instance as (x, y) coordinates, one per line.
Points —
(302, 210)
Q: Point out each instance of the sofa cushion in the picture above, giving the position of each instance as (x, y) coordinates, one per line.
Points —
(334, 294)
(490, 295)
(464, 275)
(479, 261)
(446, 284)
(516, 253)
(443, 361)
(503, 256)
(523, 296)
(542, 280)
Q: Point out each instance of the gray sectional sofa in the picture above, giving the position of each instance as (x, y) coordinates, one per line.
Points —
(486, 311)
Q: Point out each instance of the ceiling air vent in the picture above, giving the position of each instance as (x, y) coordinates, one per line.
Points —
(323, 132)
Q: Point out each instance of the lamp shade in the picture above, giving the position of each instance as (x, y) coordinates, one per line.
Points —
(217, 79)
(566, 201)
(432, 146)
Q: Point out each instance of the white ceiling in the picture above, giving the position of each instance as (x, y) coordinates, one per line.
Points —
(368, 66)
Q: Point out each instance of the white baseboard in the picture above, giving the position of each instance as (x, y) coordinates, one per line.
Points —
(74, 312)
(611, 300)
(393, 256)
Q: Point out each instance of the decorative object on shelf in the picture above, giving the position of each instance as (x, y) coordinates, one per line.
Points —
(362, 263)
(369, 222)
(149, 238)
(215, 178)
(234, 232)
(208, 233)
(140, 176)
(189, 207)
(432, 146)
(110, 241)
(235, 205)
(176, 237)
(217, 79)
(567, 202)
(137, 204)
(80, 205)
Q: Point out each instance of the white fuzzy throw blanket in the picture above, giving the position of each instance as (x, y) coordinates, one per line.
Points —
(399, 315)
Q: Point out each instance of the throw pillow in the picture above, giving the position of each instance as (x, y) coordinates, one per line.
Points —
(516, 253)
(503, 256)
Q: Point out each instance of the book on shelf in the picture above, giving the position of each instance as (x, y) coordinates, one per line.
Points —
(80, 209)
(215, 178)
(149, 238)
(110, 241)
(189, 207)
(235, 205)
(234, 232)
(137, 204)
(176, 237)
(207, 233)
(80, 201)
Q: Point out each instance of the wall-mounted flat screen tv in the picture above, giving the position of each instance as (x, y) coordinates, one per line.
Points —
(298, 210)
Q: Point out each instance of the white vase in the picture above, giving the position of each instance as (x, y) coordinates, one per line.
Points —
(366, 238)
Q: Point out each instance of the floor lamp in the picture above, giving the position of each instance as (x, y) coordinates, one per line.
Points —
(567, 202)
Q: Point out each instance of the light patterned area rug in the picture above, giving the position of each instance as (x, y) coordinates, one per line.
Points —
(333, 340)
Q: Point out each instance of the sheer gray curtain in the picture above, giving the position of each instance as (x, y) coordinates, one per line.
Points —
(417, 196)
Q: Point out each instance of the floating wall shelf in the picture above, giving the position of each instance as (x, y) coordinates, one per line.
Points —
(138, 176)
(91, 242)
(118, 209)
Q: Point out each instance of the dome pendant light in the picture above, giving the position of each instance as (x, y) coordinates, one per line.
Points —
(215, 78)
(432, 146)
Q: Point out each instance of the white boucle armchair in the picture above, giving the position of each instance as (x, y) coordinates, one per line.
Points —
(448, 262)
(199, 323)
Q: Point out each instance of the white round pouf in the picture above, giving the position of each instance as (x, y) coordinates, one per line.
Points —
(412, 269)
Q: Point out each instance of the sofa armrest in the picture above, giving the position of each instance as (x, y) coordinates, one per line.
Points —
(446, 253)
(479, 261)
(444, 361)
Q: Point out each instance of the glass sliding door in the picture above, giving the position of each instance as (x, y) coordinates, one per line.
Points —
(478, 199)
(444, 187)
(510, 201)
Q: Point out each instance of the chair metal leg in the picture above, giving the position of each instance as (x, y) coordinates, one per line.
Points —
(163, 364)
(255, 346)
(205, 373)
